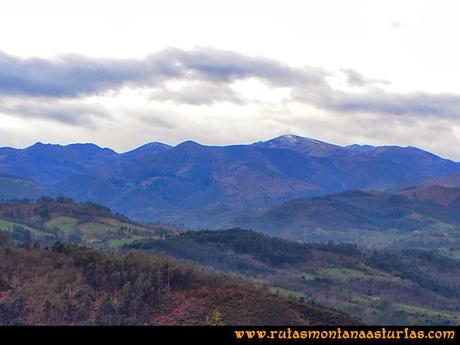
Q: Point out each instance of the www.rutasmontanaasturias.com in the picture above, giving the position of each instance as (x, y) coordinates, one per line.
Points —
(340, 333)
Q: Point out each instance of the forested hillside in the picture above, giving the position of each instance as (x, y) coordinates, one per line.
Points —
(377, 286)
(69, 285)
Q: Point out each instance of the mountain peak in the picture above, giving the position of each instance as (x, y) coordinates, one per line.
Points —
(40, 146)
(155, 144)
(90, 148)
(189, 143)
(300, 144)
(83, 145)
(294, 139)
(84, 148)
(147, 149)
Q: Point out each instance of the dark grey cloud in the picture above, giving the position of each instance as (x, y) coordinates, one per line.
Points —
(71, 114)
(227, 66)
(378, 101)
(207, 74)
(423, 104)
(75, 75)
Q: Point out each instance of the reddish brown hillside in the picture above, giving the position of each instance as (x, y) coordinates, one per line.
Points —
(67, 285)
(452, 181)
(438, 194)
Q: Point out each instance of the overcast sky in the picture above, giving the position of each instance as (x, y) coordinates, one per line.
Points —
(123, 73)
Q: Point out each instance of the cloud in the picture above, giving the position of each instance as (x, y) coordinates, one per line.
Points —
(208, 75)
(227, 66)
(354, 78)
(395, 25)
(157, 118)
(200, 93)
(75, 75)
(82, 115)
(378, 101)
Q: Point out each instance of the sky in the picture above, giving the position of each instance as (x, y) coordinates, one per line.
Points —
(124, 73)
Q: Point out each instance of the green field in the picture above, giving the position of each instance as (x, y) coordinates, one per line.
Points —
(66, 224)
(118, 224)
(113, 232)
(364, 299)
(453, 253)
(96, 230)
(429, 313)
(9, 227)
(307, 276)
(118, 243)
(287, 293)
(343, 273)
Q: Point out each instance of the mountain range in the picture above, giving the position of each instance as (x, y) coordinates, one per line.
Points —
(157, 182)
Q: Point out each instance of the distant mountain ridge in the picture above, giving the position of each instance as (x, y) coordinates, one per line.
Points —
(156, 180)
(452, 181)
(424, 217)
(12, 187)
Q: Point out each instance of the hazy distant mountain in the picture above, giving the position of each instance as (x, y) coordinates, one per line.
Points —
(51, 164)
(424, 217)
(411, 158)
(157, 180)
(452, 180)
(12, 187)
